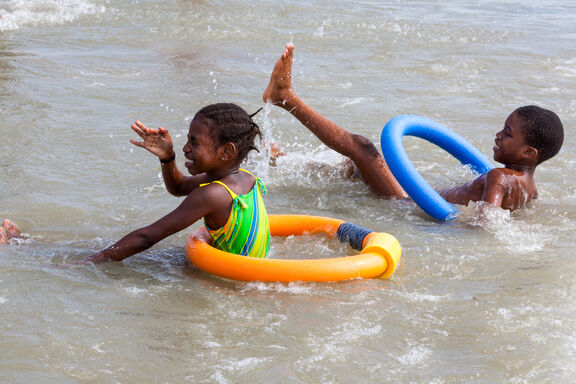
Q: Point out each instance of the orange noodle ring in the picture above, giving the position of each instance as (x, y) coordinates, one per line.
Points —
(378, 258)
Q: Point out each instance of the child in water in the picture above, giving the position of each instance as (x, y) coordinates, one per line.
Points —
(530, 136)
(226, 196)
(8, 231)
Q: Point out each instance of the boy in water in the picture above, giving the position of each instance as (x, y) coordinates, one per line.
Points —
(530, 136)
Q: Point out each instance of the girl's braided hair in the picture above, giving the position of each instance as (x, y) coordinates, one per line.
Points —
(231, 123)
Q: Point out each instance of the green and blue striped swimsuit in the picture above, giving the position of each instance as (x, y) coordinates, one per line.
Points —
(247, 231)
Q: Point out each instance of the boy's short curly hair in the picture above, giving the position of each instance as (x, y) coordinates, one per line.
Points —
(542, 130)
(231, 123)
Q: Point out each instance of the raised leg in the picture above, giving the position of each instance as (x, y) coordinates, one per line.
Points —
(370, 163)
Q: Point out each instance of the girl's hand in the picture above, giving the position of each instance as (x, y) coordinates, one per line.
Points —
(156, 141)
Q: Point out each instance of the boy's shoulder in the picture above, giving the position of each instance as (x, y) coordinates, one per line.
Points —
(514, 188)
(504, 176)
(498, 172)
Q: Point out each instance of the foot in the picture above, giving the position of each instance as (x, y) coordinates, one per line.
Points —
(280, 87)
(3, 238)
(11, 229)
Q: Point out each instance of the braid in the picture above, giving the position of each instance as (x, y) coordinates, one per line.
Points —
(231, 123)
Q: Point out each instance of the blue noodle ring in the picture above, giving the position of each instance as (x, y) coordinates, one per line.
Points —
(405, 172)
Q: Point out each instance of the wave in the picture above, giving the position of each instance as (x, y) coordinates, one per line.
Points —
(16, 14)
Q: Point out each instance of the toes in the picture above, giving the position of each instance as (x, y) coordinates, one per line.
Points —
(11, 230)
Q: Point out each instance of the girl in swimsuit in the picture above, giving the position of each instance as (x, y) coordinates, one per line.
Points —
(218, 190)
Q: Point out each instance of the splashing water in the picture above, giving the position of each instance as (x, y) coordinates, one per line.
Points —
(517, 235)
(16, 14)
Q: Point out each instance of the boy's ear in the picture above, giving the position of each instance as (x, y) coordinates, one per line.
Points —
(531, 153)
(228, 151)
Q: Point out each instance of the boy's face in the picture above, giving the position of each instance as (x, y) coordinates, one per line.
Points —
(510, 148)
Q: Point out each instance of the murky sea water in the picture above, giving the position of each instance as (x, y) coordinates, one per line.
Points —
(472, 302)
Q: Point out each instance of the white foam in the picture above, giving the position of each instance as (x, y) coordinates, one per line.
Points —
(516, 235)
(248, 363)
(415, 356)
(16, 14)
(244, 363)
(98, 348)
(423, 297)
(134, 291)
(295, 287)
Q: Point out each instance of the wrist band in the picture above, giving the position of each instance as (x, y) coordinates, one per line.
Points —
(169, 160)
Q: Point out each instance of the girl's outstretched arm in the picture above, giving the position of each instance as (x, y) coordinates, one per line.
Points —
(197, 205)
(159, 143)
(134, 242)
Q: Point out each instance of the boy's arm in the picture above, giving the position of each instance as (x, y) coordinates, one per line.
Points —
(458, 195)
(495, 187)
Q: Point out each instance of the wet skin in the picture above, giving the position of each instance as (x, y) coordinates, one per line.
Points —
(508, 188)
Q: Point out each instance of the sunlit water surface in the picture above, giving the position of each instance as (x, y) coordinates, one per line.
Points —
(471, 302)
